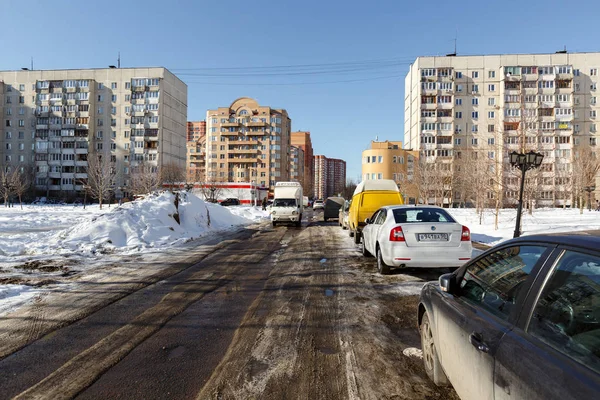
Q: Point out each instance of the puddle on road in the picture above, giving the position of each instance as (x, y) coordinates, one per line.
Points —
(328, 292)
(323, 260)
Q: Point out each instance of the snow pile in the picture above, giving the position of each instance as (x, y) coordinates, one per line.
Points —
(142, 224)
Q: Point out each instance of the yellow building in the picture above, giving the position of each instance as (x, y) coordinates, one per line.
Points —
(388, 160)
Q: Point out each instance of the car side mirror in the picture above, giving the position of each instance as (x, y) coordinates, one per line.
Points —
(367, 221)
(447, 283)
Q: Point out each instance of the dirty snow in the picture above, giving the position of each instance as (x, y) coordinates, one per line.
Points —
(92, 237)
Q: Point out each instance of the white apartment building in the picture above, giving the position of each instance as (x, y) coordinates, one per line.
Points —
(495, 104)
(51, 120)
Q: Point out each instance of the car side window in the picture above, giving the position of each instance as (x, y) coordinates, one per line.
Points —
(381, 217)
(494, 281)
(567, 313)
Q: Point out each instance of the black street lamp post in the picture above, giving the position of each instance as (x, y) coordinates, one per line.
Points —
(524, 162)
(589, 190)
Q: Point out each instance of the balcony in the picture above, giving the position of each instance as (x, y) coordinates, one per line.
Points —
(512, 78)
(529, 77)
(81, 151)
(564, 76)
(445, 106)
(41, 126)
(243, 151)
(428, 106)
(228, 133)
(141, 88)
(83, 89)
(259, 123)
(138, 113)
(81, 163)
(230, 124)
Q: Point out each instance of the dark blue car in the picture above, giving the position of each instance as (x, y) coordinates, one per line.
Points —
(521, 321)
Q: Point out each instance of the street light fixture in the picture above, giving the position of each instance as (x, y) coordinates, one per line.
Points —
(524, 162)
(589, 190)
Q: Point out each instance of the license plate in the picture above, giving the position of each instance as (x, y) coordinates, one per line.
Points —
(433, 237)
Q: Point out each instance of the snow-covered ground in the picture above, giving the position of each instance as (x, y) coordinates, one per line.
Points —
(43, 241)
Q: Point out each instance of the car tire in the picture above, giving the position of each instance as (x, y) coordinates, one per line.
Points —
(350, 233)
(325, 219)
(364, 250)
(432, 364)
(356, 237)
(274, 223)
(381, 265)
(299, 222)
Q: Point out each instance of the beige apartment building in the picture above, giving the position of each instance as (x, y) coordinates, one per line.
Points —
(297, 165)
(51, 120)
(330, 177)
(302, 140)
(388, 160)
(196, 151)
(465, 109)
(248, 142)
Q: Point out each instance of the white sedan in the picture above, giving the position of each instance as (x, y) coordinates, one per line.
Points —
(415, 236)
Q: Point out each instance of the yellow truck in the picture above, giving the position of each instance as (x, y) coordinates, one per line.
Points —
(368, 197)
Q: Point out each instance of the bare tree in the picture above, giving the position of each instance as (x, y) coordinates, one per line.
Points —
(144, 178)
(172, 174)
(349, 189)
(6, 184)
(101, 176)
(586, 167)
(21, 179)
(211, 191)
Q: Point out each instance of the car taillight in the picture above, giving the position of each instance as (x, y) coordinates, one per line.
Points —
(396, 235)
(466, 234)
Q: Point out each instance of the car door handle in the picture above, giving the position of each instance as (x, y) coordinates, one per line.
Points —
(477, 341)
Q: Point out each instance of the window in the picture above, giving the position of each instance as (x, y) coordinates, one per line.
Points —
(113, 85)
(491, 101)
(475, 114)
(457, 115)
(593, 86)
(493, 283)
(475, 101)
(113, 98)
(491, 114)
(593, 100)
(21, 99)
(22, 123)
(491, 128)
(560, 316)
(127, 85)
(491, 74)
(100, 86)
(492, 88)
(475, 88)
(474, 141)
(491, 141)
(474, 74)
(459, 102)
(457, 141)
(593, 114)
(458, 75)
(100, 97)
(459, 88)
(593, 72)
(21, 87)
(475, 128)
(127, 97)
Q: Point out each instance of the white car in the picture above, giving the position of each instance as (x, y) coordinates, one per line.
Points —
(421, 236)
(318, 204)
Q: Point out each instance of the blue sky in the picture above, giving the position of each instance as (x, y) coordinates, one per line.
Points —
(190, 36)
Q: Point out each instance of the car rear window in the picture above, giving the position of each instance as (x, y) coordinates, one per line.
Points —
(421, 214)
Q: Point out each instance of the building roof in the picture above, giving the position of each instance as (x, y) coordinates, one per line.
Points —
(376, 184)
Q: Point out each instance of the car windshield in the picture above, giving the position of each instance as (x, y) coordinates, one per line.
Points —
(421, 214)
(284, 203)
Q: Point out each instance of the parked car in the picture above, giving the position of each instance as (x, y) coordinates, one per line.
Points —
(368, 197)
(409, 236)
(318, 205)
(332, 207)
(520, 321)
(343, 215)
(230, 202)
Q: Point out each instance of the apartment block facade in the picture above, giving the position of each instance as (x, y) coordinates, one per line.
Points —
(388, 160)
(52, 120)
(302, 140)
(196, 151)
(248, 142)
(330, 176)
(476, 107)
(297, 164)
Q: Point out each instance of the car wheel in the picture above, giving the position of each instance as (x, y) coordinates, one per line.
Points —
(274, 223)
(365, 252)
(433, 368)
(350, 233)
(325, 219)
(381, 266)
(356, 237)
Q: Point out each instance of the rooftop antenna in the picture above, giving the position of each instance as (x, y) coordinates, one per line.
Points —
(32, 63)
(119, 61)
(455, 40)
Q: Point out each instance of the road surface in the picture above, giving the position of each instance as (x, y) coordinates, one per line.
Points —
(268, 313)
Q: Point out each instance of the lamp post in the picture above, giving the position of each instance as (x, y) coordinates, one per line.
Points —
(589, 190)
(524, 162)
